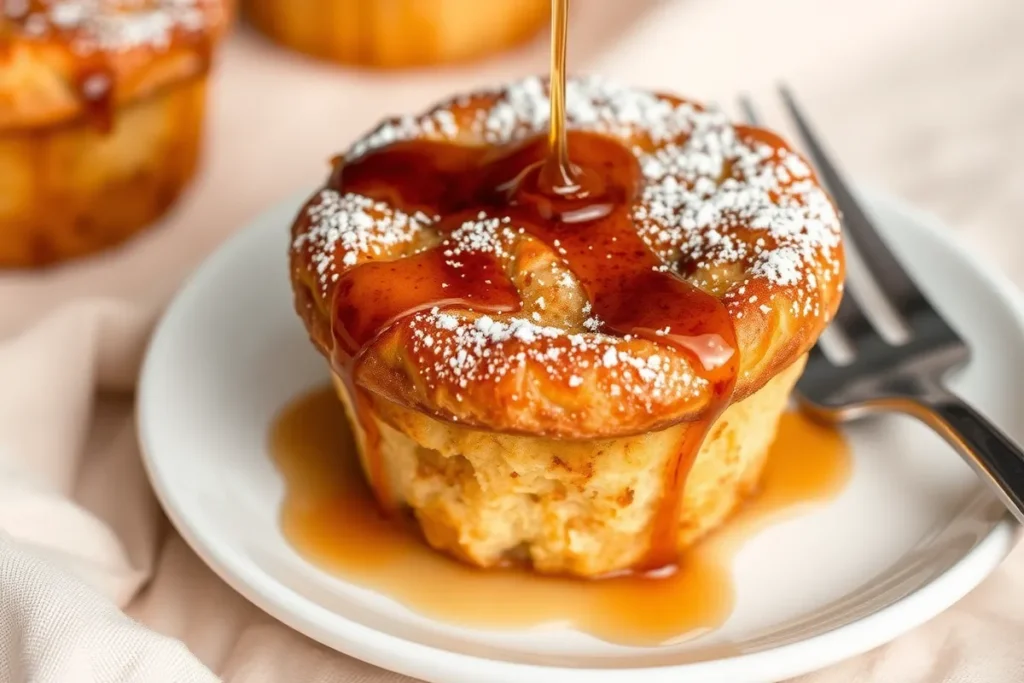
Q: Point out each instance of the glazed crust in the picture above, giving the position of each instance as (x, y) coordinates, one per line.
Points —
(733, 210)
(59, 59)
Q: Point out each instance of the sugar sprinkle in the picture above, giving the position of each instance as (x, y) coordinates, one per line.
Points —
(718, 206)
(110, 25)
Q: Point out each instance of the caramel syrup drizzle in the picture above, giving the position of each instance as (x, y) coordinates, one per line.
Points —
(95, 87)
(559, 173)
(583, 213)
(328, 515)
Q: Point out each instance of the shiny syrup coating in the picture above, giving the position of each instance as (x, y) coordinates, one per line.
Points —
(629, 288)
(94, 86)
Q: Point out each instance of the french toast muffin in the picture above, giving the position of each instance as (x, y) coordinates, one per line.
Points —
(584, 388)
(101, 118)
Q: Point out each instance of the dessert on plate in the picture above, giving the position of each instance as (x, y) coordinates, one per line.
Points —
(584, 381)
(397, 33)
(101, 113)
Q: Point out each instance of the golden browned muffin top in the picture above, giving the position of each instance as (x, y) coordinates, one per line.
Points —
(61, 59)
(728, 211)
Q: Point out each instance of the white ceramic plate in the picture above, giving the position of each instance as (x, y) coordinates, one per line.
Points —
(912, 533)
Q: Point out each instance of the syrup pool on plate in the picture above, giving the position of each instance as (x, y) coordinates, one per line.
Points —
(330, 517)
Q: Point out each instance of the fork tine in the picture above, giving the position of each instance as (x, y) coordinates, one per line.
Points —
(749, 111)
(816, 359)
(880, 262)
(850, 318)
(819, 370)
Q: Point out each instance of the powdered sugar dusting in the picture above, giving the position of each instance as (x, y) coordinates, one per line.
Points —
(592, 103)
(724, 206)
(485, 235)
(111, 25)
(351, 228)
(459, 349)
(723, 202)
(438, 124)
(521, 109)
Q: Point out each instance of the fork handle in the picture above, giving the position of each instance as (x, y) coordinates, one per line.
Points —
(986, 447)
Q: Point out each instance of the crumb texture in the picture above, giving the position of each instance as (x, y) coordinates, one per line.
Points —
(579, 508)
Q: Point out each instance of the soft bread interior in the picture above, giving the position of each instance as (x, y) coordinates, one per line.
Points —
(582, 508)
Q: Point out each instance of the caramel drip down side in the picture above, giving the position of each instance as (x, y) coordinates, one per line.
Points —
(362, 406)
(662, 551)
(95, 84)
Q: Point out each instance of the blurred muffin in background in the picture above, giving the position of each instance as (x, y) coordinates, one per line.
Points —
(398, 33)
(101, 111)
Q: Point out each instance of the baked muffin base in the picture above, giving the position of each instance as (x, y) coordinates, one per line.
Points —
(581, 508)
(70, 190)
(397, 33)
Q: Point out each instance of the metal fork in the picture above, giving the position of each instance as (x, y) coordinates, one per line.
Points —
(906, 378)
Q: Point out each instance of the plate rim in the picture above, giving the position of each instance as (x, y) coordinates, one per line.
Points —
(444, 666)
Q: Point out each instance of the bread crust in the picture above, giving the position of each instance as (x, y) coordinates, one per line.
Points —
(778, 269)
